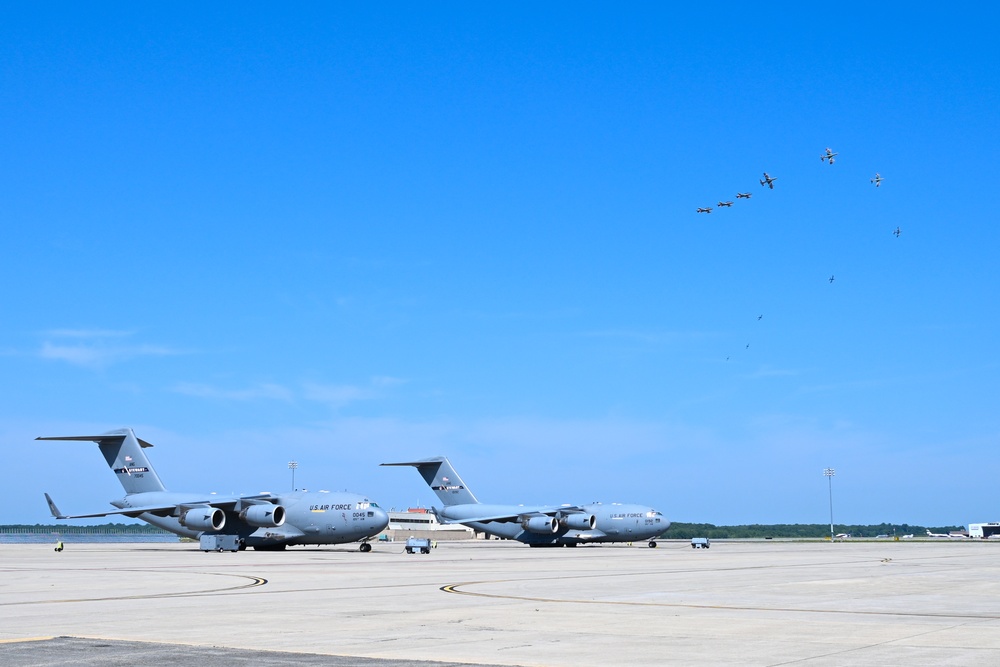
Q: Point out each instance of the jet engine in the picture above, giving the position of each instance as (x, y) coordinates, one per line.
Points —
(543, 525)
(203, 518)
(264, 515)
(579, 521)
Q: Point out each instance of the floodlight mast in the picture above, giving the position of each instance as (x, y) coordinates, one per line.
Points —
(292, 465)
(829, 473)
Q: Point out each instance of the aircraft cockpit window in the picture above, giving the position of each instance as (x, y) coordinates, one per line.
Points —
(363, 505)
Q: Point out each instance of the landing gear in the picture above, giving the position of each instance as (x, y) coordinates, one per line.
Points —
(365, 547)
(652, 544)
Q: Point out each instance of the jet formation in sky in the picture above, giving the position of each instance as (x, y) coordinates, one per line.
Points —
(768, 181)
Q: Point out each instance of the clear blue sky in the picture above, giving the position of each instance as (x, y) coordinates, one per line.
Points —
(350, 234)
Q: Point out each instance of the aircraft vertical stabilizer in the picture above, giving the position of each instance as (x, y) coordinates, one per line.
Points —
(443, 480)
(123, 452)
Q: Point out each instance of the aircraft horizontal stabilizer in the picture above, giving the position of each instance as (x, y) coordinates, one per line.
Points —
(104, 437)
(422, 462)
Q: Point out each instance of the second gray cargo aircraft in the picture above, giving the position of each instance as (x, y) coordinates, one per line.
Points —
(538, 526)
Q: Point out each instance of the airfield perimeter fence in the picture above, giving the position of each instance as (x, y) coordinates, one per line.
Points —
(36, 534)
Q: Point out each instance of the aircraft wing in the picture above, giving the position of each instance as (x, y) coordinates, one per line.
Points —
(163, 509)
(128, 511)
(513, 516)
(480, 519)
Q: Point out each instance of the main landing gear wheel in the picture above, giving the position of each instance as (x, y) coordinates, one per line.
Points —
(365, 547)
(652, 544)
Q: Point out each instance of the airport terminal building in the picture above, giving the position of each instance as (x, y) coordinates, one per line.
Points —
(984, 530)
(421, 522)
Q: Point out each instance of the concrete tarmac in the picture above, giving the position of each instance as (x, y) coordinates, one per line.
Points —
(913, 602)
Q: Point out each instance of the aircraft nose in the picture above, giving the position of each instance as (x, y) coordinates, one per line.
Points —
(381, 518)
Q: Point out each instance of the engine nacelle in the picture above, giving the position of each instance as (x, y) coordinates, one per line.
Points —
(579, 521)
(203, 518)
(542, 525)
(265, 515)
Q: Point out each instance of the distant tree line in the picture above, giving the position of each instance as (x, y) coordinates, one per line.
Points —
(677, 531)
(685, 531)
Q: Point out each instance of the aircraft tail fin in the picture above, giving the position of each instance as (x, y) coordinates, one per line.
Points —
(443, 480)
(123, 452)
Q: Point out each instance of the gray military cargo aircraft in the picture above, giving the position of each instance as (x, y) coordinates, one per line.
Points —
(262, 521)
(537, 526)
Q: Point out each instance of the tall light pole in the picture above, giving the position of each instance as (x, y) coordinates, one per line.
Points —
(829, 473)
(292, 465)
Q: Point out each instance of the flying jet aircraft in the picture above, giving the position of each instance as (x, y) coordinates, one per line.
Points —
(727, 204)
(704, 210)
(829, 156)
(743, 195)
(537, 526)
(831, 279)
(897, 232)
(877, 180)
(769, 180)
(262, 521)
